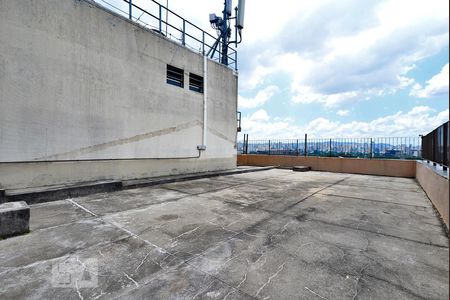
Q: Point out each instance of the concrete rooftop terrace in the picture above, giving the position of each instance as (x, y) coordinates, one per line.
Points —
(273, 234)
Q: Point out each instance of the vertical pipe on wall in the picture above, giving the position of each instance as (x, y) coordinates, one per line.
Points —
(167, 15)
(205, 98)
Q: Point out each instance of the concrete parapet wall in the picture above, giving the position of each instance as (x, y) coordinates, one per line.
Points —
(437, 189)
(382, 167)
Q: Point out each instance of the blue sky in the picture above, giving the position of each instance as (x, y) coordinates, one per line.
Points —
(347, 68)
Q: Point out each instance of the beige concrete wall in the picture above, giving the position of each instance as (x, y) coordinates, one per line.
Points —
(80, 83)
(383, 167)
(16, 175)
(436, 187)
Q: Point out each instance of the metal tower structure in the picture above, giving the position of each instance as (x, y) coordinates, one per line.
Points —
(223, 27)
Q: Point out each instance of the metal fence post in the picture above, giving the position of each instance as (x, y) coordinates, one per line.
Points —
(269, 147)
(184, 33)
(445, 147)
(203, 42)
(306, 144)
(130, 10)
(160, 18)
(297, 148)
(371, 149)
(246, 149)
(330, 148)
(434, 148)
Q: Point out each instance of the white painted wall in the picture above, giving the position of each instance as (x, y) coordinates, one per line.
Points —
(79, 83)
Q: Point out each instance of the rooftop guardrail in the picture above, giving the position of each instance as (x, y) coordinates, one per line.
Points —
(436, 145)
(377, 147)
(164, 21)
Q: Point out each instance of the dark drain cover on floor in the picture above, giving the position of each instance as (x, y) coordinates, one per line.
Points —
(301, 168)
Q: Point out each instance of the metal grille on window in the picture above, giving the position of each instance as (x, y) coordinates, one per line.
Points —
(195, 83)
(175, 76)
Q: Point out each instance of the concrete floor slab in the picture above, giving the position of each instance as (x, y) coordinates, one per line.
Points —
(265, 198)
(393, 185)
(184, 282)
(107, 203)
(369, 178)
(118, 266)
(55, 213)
(53, 242)
(405, 264)
(415, 223)
(261, 269)
(378, 194)
(256, 176)
(188, 226)
(274, 233)
(198, 186)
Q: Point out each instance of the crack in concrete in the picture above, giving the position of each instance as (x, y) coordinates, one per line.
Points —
(185, 233)
(402, 288)
(131, 279)
(357, 281)
(78, 290)
(314, 293)
(384, 188)
(365, 199)
(379, 233)
(142, 262)
(203, 290)
(280, 268)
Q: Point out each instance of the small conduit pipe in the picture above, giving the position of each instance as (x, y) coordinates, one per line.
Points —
(205, 103)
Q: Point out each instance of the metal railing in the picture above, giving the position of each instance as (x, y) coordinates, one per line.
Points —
(436, 145)
(171, 25)
(379, 147)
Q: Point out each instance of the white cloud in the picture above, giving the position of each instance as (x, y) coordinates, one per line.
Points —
(335, 52)
(259, 116)
(436, 86)
(343, 112)
(344, 51)
(419, 120)
(260, 99)
(261, 125)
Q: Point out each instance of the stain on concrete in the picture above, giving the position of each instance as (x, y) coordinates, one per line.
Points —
(220, 244)
(122, 141)
(167, 217)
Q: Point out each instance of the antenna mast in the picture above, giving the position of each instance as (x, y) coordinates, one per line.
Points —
(222, 25)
